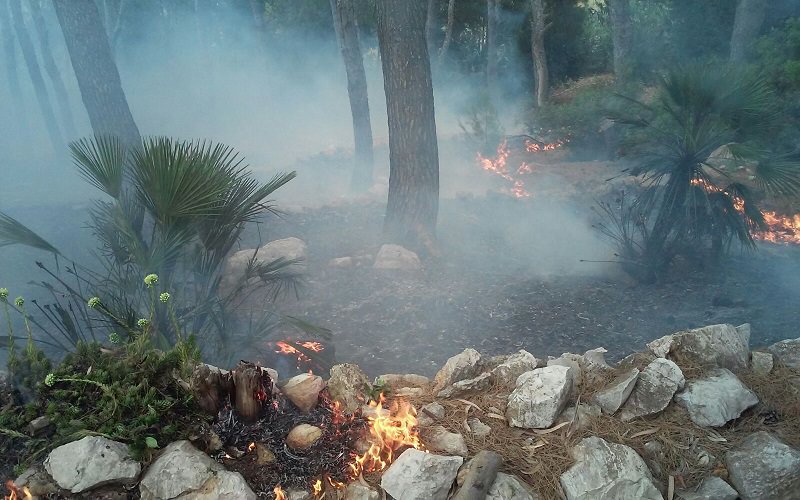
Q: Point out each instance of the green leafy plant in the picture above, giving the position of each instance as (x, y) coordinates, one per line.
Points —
(703, 160)
(174, 209)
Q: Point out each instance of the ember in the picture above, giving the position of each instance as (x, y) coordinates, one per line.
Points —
(499, 165)
(279, 494)
(15, 493)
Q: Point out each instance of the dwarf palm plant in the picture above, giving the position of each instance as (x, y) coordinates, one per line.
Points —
(175, 209)
(704, 162)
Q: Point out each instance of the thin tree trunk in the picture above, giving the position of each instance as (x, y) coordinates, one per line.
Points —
(10, 56)
(52, 70)
(39, 87)
(413, 203)
(357, 92)
(492, 55)
(430, 25)
(97, 74)
(538, 28)
(620, 14)
(746, 26)
(448, 31)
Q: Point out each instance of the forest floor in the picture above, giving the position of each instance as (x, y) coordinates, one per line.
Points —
(510, 276)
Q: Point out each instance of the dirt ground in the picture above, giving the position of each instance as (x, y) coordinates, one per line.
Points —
(511, 277)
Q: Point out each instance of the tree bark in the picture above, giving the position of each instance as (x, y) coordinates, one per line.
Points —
(413, 203)
(538, 28)
(97, 74)
(430, 25)
(746, 26)
(492, 54)
(10, 56)
(448, 31)
(211, 388)
(52, 70)
(252, 391)
(621, 33)
(39, 87)
(337, 24)
(357, 92)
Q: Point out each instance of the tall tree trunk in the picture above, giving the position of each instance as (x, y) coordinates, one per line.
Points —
(746, 26)
(620, 14)
(413, 203)
(430, 25)
(39, 87)
(97, 74)
(10, 56)
(52, 70)
(357, 91)
(492, 53)
(448, 31)
(538, 29)
(337, 24)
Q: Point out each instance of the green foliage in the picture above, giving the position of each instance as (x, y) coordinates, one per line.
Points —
(693, 191)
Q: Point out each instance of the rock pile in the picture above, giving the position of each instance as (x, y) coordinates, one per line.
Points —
(695, 384)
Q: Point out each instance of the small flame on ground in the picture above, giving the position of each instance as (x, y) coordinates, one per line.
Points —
(499, 164)
(285, 348)
(251, 446)
(15, 493)
(317, 488)
(780, 228)
(279, 493)
(389, 430)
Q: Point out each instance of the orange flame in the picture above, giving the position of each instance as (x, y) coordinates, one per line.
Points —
(389, 430)
(780, 228)
(317, 488)
(251, 446)
(285, 348)
(16, 494)
(279, 493)
(499, 164)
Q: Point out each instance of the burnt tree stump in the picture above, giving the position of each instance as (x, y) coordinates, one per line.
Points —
(480, 476)
(211, 387)
(252, 391)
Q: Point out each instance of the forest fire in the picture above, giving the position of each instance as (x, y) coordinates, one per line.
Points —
(781, 229)
(500, 165)
(15, 493)
(285, 348)
(389, 430)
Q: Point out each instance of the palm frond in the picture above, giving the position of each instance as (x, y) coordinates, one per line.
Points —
(13, 232)
(101, 161)
(779, 176)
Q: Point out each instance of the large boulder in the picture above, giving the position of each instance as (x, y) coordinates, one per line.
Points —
(346, 385)
(417, 475)
(91, 462)
(464, 365)
(716, 398)
(539, 397)
(607, 471)
(712, 488)
(653, 390)
(722, 345)
(763, 467)
(186, 472)
(303, 390)
(787, 352)
(508, 487)
(617, 392)
(396, 257)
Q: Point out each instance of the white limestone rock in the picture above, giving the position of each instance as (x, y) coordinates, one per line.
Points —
(761, 363)
(462, 366)
(763, 467)
(617, 392)
(607, 471)
(396, 257)
(450, 443)
(91, 462)
(721, 345)
(424, 417)
(653, 390)
(507, 372)
(417, 475)
(181, 470)
(479, 383)
(712, 488)
(508, 487)
(787, 352)
(347, 385)
(716, 398)
(478, 428)
(539, 397)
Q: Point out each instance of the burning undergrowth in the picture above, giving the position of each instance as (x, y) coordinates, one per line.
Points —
(314, 448)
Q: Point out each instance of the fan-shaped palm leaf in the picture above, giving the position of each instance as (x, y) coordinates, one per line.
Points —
(13, 232)
(101, 161)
